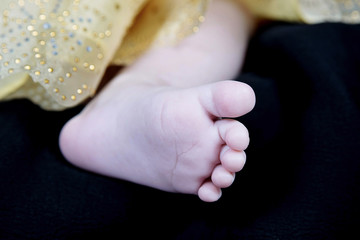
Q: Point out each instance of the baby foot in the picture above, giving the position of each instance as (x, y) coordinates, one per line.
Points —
(175, 140)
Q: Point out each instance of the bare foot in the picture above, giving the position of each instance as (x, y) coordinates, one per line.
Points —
(175, 140)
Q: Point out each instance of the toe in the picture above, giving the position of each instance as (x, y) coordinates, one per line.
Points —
(228, 99)
(233, 133)
(208, 192)
(221, 177)
(231, 160)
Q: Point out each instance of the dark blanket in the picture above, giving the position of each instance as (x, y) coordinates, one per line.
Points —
(301, 180)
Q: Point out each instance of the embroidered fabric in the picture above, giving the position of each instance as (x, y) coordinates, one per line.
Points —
(308, 11)
(56, 52)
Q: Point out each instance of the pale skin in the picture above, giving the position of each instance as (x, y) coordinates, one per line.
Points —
(167, 120)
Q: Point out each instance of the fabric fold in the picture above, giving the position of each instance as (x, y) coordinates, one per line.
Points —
(56, 52)
(308, 11)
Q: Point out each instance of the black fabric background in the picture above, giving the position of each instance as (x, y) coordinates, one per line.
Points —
(301, 180)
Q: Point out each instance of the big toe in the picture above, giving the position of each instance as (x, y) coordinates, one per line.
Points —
(228, 99)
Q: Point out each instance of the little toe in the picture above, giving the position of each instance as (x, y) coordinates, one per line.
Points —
(234, 134)
(221, 177)
(232, 160)
(208, 192)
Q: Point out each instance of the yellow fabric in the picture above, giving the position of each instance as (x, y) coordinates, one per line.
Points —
(12, 82)
(55, 52)
(161, 22)
(308, 11)
(273, 9)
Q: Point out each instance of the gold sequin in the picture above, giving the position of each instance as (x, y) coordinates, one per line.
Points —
(6, 13)
(60, 19)
(30, 28)
(355, 15)
(101, 35)
(100, 56)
